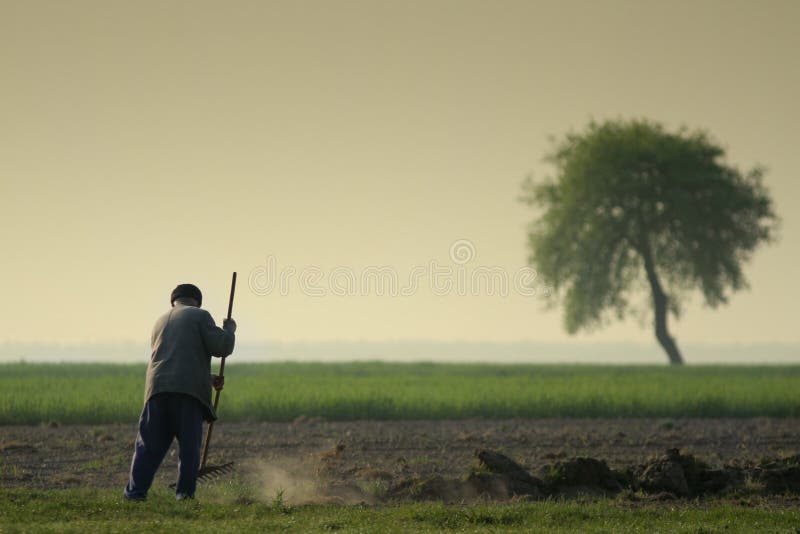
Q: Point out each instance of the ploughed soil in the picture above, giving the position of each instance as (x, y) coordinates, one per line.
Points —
(643, 459)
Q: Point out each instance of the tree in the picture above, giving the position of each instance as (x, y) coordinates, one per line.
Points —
(633, 206)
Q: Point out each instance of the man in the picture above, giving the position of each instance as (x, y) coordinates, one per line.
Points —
(178, 391)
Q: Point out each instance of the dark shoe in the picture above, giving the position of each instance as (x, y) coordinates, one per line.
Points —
(183, 496)
(134, 498)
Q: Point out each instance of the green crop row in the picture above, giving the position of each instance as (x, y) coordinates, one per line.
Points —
(106, 393)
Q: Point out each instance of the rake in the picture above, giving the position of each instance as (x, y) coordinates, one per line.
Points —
(208, 473)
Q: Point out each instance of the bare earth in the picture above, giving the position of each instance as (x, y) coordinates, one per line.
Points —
(309, 452)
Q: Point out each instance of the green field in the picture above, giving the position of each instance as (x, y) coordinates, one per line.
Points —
(106, 393)
(229, 510)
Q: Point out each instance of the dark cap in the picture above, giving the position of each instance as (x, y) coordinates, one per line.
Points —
(186, 291)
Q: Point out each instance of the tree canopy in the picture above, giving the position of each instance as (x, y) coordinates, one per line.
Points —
(635, 206)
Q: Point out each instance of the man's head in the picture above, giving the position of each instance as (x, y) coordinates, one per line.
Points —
(187, 294)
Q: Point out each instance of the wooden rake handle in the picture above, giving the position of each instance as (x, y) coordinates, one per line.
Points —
(221, 373)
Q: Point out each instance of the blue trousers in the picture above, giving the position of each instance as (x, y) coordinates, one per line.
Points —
(164, 417)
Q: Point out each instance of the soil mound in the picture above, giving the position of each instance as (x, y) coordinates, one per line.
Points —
(671, 475)
(684, 475)
(779, 475)
(496, 474)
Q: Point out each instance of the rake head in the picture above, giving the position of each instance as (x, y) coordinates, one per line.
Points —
(213, 472)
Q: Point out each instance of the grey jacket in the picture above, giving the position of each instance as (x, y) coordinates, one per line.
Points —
(183, 342)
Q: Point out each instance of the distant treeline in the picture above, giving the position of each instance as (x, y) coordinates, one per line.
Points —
(520, 352)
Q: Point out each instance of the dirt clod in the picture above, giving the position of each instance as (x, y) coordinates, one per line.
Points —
(495, 462)
(780, 480)
(685, 476)
(589, 473)
(664, 475)
(8, 446)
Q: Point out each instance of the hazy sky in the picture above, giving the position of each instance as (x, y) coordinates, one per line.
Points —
(148, 143)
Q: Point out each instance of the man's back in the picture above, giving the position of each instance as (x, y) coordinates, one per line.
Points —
(183, 341)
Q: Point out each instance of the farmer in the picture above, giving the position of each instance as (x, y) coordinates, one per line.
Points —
(177, 391)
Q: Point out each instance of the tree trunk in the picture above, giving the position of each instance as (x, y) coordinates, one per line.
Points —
(660, 310)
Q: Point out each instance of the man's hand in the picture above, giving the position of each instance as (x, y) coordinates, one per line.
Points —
(229, 325)
(217, 382)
